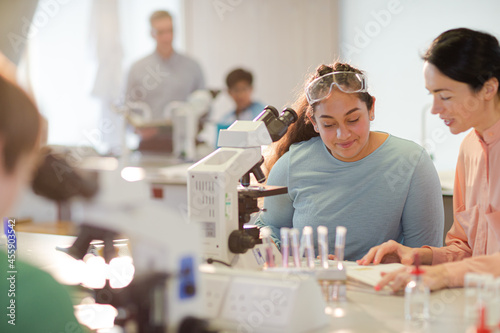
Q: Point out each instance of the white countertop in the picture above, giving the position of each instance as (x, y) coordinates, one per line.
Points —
(361, 312)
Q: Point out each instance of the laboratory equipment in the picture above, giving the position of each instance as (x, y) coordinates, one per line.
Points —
(164, 292)
(481, 292)
(482, 326)
(333, 279)
(323, 245)
(417, 295)
(177, 132)
(285, 245)
(186, 122)
(262, 301)
(294, 235)
(340, 233)
(220, 197)
(494, 305)
(268, 246)
(309, 246)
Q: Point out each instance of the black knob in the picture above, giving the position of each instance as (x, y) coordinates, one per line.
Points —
(239, 241)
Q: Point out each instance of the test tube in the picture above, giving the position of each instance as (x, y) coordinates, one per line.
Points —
(323, 245)
(285, 245)
(268, 245)
(294, 235)
(474, 284)
(339, 287)
(494, 314)
(340, 232)
(307, 232)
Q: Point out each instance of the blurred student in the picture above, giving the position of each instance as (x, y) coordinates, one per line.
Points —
(31, 300)
(239, 84)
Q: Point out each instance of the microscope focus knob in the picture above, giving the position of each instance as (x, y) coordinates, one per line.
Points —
(240, 241)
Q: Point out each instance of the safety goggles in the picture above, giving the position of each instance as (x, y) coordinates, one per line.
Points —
(348, 82)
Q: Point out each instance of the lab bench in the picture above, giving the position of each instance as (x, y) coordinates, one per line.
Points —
(370, 312)
(362, 311)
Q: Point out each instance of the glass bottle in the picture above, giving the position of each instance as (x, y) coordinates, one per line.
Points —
(417, 295)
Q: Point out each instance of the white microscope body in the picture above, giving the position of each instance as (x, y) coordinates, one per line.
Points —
(181, 117)
(185, 122)
(218, 201)
(238, 299)
(164, 246)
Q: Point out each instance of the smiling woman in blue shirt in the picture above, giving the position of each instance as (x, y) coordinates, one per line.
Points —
(341, 173)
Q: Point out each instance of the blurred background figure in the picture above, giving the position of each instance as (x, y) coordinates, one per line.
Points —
(159, 79)
(239, 84)
(37, 303)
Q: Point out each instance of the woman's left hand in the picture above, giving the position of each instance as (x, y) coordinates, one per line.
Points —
(435, 277)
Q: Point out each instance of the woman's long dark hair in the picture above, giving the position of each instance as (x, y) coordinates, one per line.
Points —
(303, 129)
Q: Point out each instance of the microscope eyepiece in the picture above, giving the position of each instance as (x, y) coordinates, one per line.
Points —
(288, 116)
(277, 124)
(268, 115)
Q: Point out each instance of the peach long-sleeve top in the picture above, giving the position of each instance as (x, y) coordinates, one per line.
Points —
(475, 234)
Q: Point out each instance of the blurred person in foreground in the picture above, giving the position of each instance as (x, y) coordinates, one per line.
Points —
(31, 301)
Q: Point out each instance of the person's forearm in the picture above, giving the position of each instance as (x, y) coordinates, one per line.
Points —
(425, 255)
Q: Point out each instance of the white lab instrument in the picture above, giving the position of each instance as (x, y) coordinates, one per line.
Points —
(165, 251)
(307, 234)
(285, 245)
(185, 122)
(265, 302)
(181, 117)
(220, 203)
(331, 278)
(339, 285)
(323, 245)
(294, 236)
(268, 246)
(340, 232)
(479, 290)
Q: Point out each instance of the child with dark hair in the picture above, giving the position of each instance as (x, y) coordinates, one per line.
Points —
(239, 84)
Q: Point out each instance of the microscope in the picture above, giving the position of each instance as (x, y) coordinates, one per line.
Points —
(164, 294)
(220, 196)
(187, 119)
(177, 130)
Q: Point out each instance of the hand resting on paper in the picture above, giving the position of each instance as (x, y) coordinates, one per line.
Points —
(435, 277)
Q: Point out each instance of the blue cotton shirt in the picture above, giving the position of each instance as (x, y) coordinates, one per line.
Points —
(252, 111)
(393, 193)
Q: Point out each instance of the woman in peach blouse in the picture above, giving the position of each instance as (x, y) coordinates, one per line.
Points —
(462, 73)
